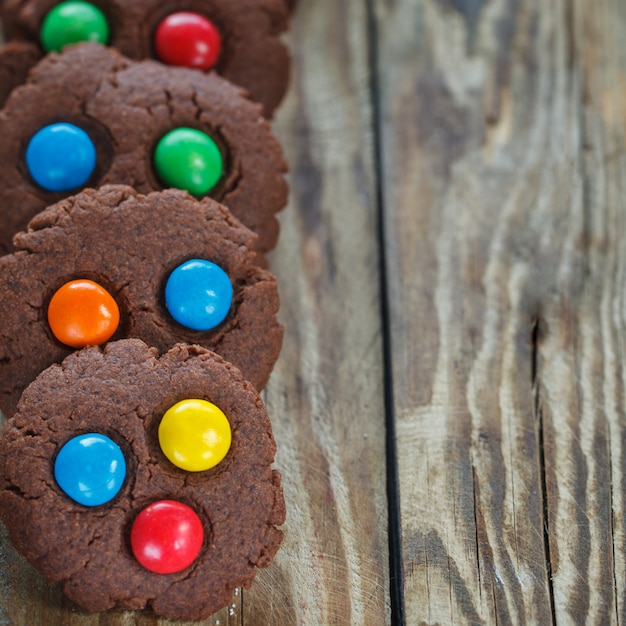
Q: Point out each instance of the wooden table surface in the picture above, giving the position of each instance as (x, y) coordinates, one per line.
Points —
(449, 401)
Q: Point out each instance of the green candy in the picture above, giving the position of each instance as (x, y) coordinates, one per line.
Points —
(188, 159)
(72, 22)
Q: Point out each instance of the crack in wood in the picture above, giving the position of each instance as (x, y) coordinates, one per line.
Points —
(476, 505)
(534, 342)
(534, 337)
(612, 526)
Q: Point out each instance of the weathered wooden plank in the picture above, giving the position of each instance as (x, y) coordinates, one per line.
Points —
(497, 272)
(325, 396)
(585, 424)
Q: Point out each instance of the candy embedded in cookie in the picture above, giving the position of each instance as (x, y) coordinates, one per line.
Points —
(110, 264)
(91, 499)
(167, 537)
(186, 158)
(73, 21)
(187, 39)
(195, 435)
(60, 157)
(90, 117)
(90, 469)
(240, 40)
(198, 294)
(82, 313)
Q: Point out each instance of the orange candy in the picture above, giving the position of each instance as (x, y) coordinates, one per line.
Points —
(82, 313)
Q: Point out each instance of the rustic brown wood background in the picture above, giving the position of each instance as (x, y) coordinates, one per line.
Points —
(449, 402)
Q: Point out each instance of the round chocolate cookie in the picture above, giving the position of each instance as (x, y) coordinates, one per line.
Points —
(111, 264)
(132, 528)
(239, 40)
(89, 117)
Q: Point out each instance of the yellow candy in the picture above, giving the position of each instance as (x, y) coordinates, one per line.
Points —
(194, 435)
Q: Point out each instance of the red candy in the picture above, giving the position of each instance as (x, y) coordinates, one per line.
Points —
(166, 537)
(187, 39)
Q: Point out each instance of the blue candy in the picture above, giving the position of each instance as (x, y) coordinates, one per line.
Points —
(90, 469)
(198, 294)
(61, 157)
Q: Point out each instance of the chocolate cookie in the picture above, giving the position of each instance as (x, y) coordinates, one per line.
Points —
(130, 527)
(90, 117)
(240, 40)
(111, 264)
(16, 60)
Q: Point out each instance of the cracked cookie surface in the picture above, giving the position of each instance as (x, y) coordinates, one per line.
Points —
(123, 392)
(126, 107)
(129, 244)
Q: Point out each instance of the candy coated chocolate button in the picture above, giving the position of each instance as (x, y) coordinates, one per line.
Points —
(82, 313)
(188, 159)
(61, 157)
(187, 39)
(194, 435)
(73, 22)
(90, 469)
(166, 537)
(198, 294)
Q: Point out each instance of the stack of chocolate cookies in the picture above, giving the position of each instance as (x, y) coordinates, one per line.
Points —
(138, 201)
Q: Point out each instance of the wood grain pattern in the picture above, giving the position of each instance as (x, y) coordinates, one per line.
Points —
(502, 140)
(326, 395)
